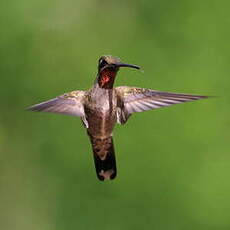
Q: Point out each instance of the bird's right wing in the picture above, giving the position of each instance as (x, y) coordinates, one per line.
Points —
(69, 103)
(134, 99)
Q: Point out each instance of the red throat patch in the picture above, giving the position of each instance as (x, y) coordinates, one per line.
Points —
(106, 78)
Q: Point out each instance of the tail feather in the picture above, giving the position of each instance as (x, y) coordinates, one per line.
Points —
(104, 157)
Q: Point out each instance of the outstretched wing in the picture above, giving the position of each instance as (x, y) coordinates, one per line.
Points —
(69, 103)
(138, 100)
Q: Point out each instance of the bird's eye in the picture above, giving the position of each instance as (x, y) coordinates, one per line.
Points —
(102, 63)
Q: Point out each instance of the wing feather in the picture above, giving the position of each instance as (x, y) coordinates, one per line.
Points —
(69, 103)
(140, 99)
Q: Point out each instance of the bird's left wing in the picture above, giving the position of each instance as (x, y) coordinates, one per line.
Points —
(69, 103)
(134, 99)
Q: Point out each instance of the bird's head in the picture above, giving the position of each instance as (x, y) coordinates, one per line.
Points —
(107, 70)
(112, 63)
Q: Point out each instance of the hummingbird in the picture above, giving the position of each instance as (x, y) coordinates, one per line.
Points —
(102, 106)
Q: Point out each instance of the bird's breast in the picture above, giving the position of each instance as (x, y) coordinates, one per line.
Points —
(100, 111)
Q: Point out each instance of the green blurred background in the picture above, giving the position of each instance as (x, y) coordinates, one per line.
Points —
(173, 163)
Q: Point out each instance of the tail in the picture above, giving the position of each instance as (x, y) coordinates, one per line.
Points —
(104, 157)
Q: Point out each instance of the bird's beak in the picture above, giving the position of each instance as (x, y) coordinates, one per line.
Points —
(127, 65)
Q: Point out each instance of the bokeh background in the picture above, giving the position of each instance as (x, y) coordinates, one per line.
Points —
(173, 163)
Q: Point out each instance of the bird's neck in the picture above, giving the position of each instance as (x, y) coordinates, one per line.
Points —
(106, 77)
